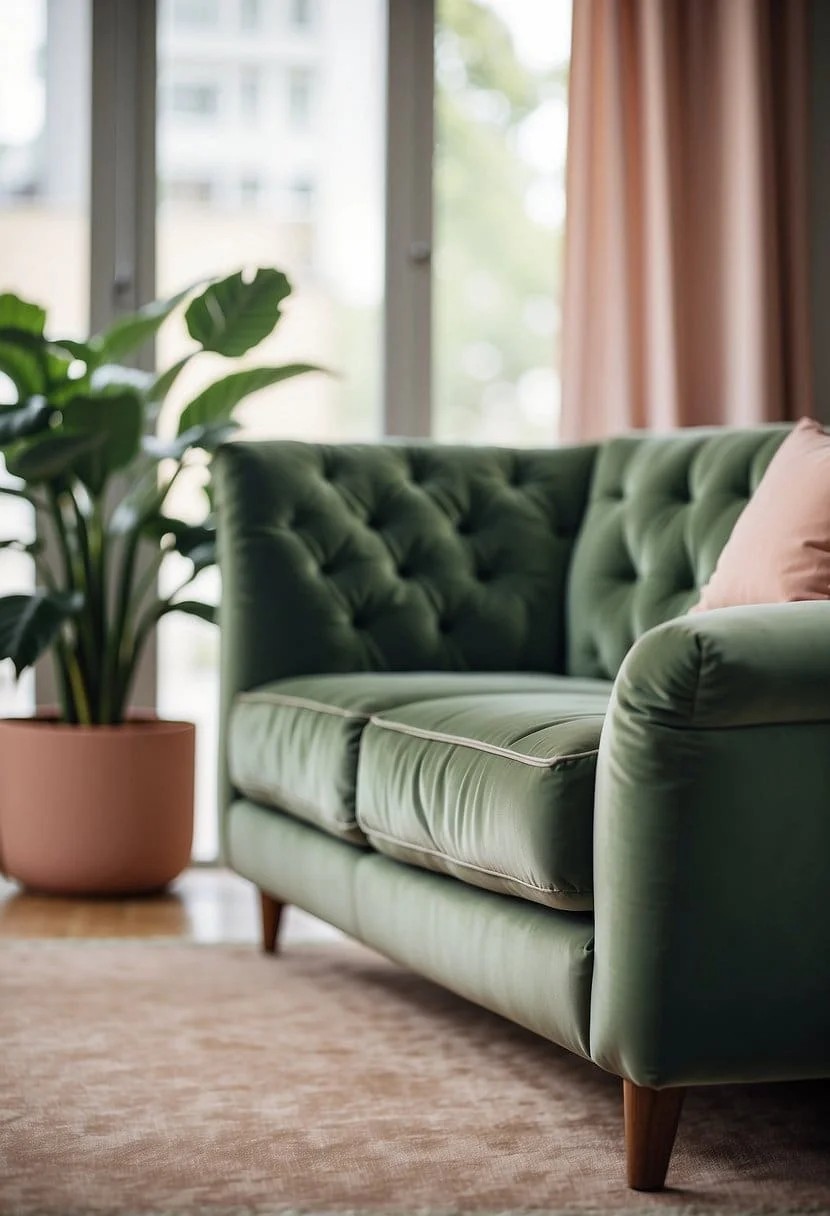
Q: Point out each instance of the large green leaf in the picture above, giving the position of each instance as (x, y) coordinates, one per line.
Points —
(21, 546)
(34, 364)
(186, 536)
(206, 612)
(235, 314)
(140, 504)
(49, 457)
(161, 386)
(22, 420)
(22, 315)
(23, 368)
(30, 623)
(116, 418)
(131, 332)
(208, 438)
(217, 402)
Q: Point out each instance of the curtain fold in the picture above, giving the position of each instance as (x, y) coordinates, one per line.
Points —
(686, 254)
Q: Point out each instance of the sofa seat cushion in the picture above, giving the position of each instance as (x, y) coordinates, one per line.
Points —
(497, 791)
(293, 744)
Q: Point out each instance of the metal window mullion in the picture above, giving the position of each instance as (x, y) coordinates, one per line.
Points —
(123, 185)
(122, 208)
(407, 380)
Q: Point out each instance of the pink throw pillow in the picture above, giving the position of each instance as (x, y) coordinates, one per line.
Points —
(779, 549)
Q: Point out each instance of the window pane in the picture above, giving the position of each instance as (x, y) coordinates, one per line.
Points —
(501, 124)
(302, 13)
(44, 226)
(286, 172)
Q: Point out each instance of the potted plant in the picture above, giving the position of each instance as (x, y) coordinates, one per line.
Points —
(94, 799)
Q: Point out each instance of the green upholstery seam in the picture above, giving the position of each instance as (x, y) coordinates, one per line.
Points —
(373, 833)
(492, 749)
(278, 698)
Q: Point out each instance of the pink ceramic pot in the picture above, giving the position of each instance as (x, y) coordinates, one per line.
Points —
(101, 810)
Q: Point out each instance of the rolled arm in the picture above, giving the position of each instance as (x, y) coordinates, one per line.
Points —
(712, 852)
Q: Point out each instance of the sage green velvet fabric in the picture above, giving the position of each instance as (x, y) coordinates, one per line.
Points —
(712, 843)
(711, 833)
(295, 863)
(523, 961)
(497, 791)
(661, 509)
(528, 963)
(293, 744)
(394, 557)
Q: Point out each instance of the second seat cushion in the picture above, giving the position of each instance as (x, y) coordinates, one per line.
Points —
(293, 744)
(497, 791)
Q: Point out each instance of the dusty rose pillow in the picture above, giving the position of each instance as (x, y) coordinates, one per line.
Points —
(779, 549)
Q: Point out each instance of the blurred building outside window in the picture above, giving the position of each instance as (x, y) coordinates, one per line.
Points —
(192, 99)
(196, 14)
(249, 15)
(302, 13)
(300, 98)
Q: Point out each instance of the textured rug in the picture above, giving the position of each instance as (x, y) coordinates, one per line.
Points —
(148, 1078)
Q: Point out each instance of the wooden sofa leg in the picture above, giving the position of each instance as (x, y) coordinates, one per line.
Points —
(651, 1118)
(271, 916)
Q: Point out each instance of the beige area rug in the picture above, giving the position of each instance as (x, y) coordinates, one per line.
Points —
(151, 1078)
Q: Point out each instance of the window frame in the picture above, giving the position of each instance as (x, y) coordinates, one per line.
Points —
(123, 205)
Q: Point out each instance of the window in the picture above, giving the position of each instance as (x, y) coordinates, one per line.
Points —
(300, 98)
(249, 15)
(196, 14)
(302, 196)
(299, 184)
(188, 190)
(44, 213)
(250, 93)
(302, 14)
(195, 100)
(250, 191)
(276, 201)
(499, 192)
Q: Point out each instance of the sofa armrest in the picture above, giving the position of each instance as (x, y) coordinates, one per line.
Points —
(712, 852)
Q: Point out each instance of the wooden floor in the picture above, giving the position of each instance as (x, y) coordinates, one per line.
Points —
(204, 905)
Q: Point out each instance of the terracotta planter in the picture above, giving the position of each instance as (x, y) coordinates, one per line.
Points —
(102, 810)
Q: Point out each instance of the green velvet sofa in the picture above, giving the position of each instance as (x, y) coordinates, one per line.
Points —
(467, 719)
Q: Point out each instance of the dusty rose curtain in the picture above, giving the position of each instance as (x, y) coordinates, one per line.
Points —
(686, 261)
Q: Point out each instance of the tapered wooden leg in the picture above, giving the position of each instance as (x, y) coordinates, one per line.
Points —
(651, 1118)
(271, 916)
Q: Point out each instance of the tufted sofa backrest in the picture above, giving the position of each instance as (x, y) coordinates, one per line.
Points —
(394, 557)
(659, 512)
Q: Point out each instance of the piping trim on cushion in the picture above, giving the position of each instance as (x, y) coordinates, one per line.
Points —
(373, 833)
(279, 698)
(437, 736)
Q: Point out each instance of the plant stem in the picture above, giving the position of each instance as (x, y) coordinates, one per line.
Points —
(68, 707)
(121, 655)
(91, 622)
(76, 683)
(74, 672)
